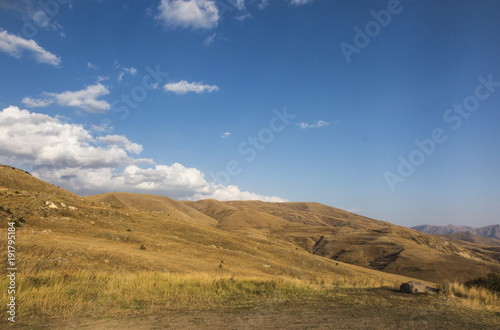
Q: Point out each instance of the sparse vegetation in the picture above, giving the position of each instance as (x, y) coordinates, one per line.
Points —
(84, 262)
(491, 282)
(474, 295)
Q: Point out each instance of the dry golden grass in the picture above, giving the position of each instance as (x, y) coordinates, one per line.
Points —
(87, 261)
(475, 296)
(49, 293)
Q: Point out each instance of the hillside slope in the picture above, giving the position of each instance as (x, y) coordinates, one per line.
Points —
(251, 237)
(154, 204)
(67, 232)
(339, 235)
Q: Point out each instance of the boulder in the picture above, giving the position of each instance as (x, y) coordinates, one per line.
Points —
(414, 287)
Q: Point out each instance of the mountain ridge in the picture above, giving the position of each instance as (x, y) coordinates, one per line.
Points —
(491, 231)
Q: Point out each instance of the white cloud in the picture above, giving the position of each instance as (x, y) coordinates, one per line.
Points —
(42, 140)
(131, 71)
(240, 4)
(319, 123)
(68, 155)
(195, 14)
(243, 17)
(42, 20)
(210, 39)
(92, 66)
(85, 99)
(122, 141)
(263, 4)
(225, 135)
(32, 15)
(182, 87)
(299, 2)
(102, 78)
(15, 46)
(35, 103)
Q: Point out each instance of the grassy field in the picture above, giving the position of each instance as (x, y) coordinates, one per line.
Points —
(51, 299)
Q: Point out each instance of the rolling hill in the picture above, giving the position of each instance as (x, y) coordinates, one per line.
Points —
(342, 236)
(118, 252)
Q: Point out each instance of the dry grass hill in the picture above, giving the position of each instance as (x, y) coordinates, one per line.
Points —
(117, 256)
(339, 235)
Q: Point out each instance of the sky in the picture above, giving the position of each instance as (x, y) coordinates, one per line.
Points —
(388, 109)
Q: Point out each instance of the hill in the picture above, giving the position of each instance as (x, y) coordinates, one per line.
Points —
(153, 204)
(342, 236)
(492, 231)
(123, 254)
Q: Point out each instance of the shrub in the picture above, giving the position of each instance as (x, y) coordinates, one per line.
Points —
(490, 282)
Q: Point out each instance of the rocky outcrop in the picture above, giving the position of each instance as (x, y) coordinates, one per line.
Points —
(414, 287)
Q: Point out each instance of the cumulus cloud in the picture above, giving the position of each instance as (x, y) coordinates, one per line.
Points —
(319, 123)
(225, 135)
(70, 156)
(122, 141)
(183, 87)
(15, 46)
(195, 14)
(42, 140)
(85, 99)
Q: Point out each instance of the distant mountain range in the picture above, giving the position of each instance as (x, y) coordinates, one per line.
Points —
(492, 231)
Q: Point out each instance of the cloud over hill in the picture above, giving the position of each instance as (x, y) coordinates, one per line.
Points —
(73, 157)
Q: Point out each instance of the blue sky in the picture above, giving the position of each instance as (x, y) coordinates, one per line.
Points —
(389, 109)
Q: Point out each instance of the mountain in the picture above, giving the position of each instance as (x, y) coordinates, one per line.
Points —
(469, 237)
(252, 237)
(492, 231)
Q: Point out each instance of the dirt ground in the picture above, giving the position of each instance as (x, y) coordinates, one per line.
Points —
(293, 316)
